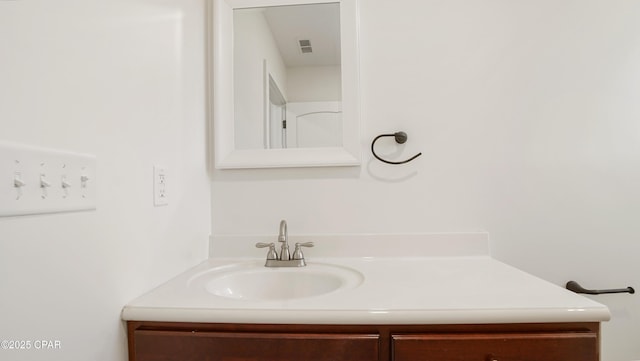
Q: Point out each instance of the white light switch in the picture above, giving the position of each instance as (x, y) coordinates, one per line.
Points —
(18, 184)
(36, 180)
(160, 196)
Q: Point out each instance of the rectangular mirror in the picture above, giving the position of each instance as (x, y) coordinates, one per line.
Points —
(285, 83)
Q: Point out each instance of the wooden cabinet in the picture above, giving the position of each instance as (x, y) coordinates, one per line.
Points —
(252, 346)
(177, 341)
(574, 346)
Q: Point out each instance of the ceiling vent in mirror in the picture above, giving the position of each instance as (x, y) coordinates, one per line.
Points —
(305, 46)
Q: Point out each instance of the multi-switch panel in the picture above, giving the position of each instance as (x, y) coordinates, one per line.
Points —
(37, 180)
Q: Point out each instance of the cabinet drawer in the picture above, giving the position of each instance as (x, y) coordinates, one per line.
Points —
(568, 346)
(154, 345)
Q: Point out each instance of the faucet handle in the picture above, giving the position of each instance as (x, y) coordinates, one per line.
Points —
(272, 249)
(297, 253)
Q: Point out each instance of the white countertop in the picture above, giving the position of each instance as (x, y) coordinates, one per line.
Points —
(453, 287)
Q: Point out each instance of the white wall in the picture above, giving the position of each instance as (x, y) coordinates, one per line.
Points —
(314, 84)
(123, 80)
(527, 116)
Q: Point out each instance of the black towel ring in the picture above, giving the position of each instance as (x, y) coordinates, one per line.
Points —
(400, 138)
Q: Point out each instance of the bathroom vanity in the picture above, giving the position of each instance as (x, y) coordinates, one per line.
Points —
(504, 342)
(433, 297)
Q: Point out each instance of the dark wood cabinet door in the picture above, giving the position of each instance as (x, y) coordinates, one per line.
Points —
(155, 345)
(572, 346)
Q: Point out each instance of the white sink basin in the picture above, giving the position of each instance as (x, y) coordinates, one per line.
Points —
(254, 282)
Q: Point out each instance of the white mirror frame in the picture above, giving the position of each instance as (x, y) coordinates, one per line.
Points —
(226, 156)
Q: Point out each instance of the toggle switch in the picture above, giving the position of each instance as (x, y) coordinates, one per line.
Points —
(83, 180)
(17, 180)
(44, 184)
(65, 183)
(43, 181)
(18, 183)
(65, 186)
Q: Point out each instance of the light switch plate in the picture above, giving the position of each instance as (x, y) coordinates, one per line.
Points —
(35, 180)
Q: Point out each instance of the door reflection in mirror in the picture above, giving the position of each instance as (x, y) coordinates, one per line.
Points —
(276, 117)
(287, 76)
(315, 124)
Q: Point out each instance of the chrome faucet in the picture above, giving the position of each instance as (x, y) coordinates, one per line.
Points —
(285, 259)
(283, 237)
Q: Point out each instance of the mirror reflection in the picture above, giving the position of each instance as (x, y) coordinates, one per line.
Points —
(287, 77)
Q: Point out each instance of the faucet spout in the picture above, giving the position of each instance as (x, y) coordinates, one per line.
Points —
(283, 237)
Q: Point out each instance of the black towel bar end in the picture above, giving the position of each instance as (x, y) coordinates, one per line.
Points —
(575, 287)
